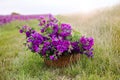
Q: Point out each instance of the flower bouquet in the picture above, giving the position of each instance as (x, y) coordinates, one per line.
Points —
(56, 42)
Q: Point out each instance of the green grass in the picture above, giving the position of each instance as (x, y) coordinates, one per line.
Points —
(18, 64)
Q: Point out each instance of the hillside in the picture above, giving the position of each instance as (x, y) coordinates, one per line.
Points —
(103, 25)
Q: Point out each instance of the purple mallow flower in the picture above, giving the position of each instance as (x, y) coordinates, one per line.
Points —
(75, 47)
(46, 47)
(42, 22)
(35, 48)
(37, 38)
(65, 30)
(21, 31)
(28, 34)
(51, 18)
(87, 44)
(62, 45)
(52, 57)
(42, 30)
(89, 53)
(55, 29)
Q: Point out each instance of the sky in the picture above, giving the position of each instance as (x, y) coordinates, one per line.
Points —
(53, 6)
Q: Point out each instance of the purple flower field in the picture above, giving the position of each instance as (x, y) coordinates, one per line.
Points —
(4, 19)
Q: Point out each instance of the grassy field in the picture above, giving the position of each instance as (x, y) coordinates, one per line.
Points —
(18, 64)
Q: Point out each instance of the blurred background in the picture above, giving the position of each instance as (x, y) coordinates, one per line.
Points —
(53, 6)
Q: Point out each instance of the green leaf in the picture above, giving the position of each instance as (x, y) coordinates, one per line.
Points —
(49, 30)
(69, 37)
(76, 35)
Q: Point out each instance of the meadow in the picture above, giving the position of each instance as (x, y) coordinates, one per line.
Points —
(16, 63)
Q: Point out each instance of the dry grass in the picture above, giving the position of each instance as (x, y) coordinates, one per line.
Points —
(104, 26)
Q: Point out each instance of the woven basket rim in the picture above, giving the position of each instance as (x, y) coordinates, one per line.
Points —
(62, 61)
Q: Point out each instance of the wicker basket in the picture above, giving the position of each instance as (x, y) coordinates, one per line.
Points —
(62, 61)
